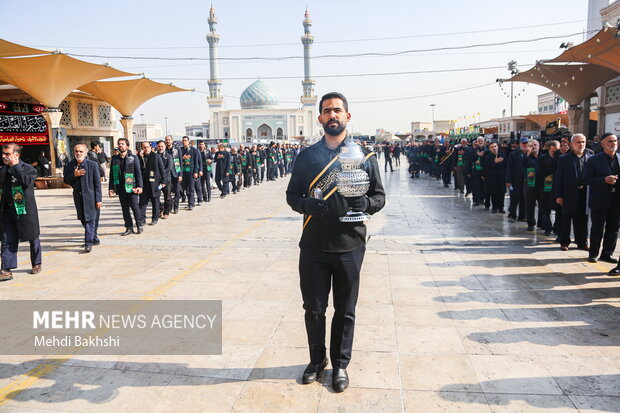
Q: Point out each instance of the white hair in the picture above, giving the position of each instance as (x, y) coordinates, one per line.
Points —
(578, 135)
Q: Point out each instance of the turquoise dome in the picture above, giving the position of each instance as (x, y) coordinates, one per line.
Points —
(259, 96)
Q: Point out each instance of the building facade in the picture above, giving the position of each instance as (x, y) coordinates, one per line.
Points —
(261, 119)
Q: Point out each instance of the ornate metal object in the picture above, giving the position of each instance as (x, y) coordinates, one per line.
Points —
(353, 181)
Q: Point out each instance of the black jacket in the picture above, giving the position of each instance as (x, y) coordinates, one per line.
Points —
(192, 163)
(515, 168)
(166, 159)
(328, 234)
(601, 196)
(20, 176)
(222, 160)
(137, 170)
(153, 174)
(175, 155)
(569, 184)
(86, 189)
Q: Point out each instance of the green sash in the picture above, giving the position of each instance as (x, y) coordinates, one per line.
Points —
(19, 200)
(459, 162)
(257, 158)
(129, 172)
(478, 165)
(531, 177)
(177, 165)
(244, 160)
(548, 183)
(187, 164)
(116, 175)
(436, 157)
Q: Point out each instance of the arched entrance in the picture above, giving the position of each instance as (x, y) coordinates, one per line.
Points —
(279, 133)
(264, 132)
(248, 133)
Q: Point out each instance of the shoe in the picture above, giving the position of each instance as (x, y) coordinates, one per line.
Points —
(36, 269)
(222, 195)
(564, 247)
(199, 203)
(614, 271)
(140, 229)
(476, 203)
(127, 232)
(548, 233)
(164, 216)
(209, 200)
(511, 219)
(486, 208)
(493, 211)
(6, 275)
(592, 259)
(608, 259)
(153, 222)
(521, 220)
(340, 380)
(530, 228)
(176, 211)
(585, 247)
(97, 242)
(189, 208)
(311, 374)
(88, 248)
(502, 210)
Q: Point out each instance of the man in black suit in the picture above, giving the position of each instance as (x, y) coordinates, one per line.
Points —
(176, 177)
(515, 171)
(222, 170)
(571, 194)
(154, 175)
(166, 160)
(601, 173)
(84, 177)
(190, 165)
(126, 182)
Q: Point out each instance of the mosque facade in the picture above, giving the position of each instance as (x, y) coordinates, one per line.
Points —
(261, 118)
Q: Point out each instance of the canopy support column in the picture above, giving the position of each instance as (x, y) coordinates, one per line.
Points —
(127, 122)
(52, 117)
(576, 119)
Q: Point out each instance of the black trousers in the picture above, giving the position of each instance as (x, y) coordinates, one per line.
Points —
(496, 190)
(477, 187)
(221, 180)
(10, 244)
(130, 202)
(397, 158)
(318, 272)
(256, 174)
(446, 175)
(516, 202)
(604, 227)
(188, 185)
(176, 192)
(167, 193)
(247, 177)
(198, 189)
(580, 227)
(205, 184)
(388, 161)
(530, 196)
(155, 206)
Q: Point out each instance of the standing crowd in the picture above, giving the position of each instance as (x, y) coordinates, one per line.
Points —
(164, 176)
(558, 186)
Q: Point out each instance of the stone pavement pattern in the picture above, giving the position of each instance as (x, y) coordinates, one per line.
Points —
(458, 311)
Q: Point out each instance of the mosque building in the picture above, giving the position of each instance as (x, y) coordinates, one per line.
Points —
(261, 118)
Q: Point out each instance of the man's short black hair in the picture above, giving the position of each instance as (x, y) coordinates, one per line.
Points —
(334, 95)
(94, 144)
(14, 147)
(158, 142)
(124, 140)
(605, 135)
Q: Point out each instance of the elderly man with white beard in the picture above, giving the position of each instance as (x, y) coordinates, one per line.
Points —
(84, 177)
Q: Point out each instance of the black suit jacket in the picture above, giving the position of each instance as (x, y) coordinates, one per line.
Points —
(86, 189)
(567, 180)
(600, 196)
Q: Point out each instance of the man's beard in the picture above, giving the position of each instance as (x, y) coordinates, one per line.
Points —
(334, 130)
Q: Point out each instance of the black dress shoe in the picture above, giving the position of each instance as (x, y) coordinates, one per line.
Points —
(340, 380)
(592, 259)
(175, 211)
(530, 228)
(502, 210)
(88, 248)
(311, 374)
(615, 271)
(486, 208)
(608, 259)
(128, 231)
(154, 222)
(97, 242)
(140, 229)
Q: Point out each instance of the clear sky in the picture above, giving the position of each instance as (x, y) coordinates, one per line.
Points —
(166, 29)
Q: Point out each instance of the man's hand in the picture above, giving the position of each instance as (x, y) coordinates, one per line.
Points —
(137, 191)
(611, 179)
(498, 159)
(111, 193)
(313, 206)
(200, 173)
(195, 176)
(359, 204)
(227, 173)
(337, 205)
(13, 159)
(180, 178)
(98, 205)
(559, 201)
(508, 186)
(79, 172)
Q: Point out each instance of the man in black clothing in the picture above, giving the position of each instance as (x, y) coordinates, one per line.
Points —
(494, 174)
(571, 193)
(166, 159)
(176, 177)
(515, 171)
(205, 179)
(601, 173)
(475, 170)
(191, 167)
(532, 180)
(153, 174)
(126, 181)
(388, 157)
(83, 176)
(222, 170)
(331, 252)
(263, 162)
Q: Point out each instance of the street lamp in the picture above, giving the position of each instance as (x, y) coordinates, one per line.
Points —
(433, 115)
(166, 121)
(512, 67)
(142, 116)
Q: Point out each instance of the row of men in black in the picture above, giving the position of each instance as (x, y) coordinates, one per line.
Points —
(185, 172)
(555, 179)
